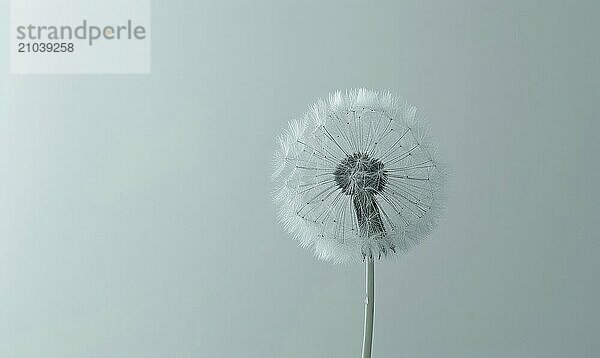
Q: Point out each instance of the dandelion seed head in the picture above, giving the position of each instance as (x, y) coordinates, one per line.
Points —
(357, 177)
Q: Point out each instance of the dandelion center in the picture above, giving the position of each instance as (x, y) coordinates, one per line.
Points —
(359, 174)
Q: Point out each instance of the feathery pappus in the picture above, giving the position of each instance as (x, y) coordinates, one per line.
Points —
(357, 177)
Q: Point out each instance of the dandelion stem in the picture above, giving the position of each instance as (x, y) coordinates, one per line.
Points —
(369, 308)
(370, 223)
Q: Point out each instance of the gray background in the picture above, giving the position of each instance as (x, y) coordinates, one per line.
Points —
(135, 211)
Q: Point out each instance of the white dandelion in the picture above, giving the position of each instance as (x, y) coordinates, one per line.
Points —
(358, 180)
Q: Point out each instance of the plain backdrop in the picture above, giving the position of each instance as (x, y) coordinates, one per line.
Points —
(135, 210)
